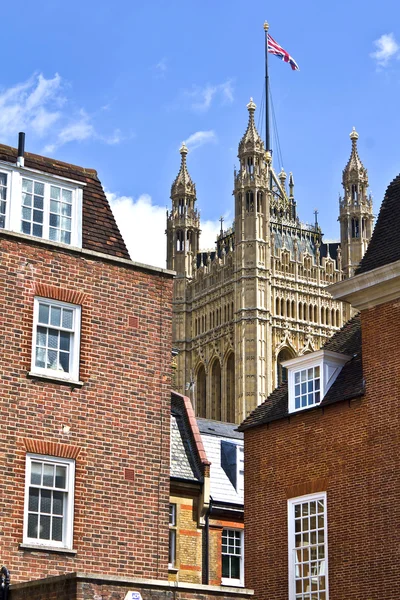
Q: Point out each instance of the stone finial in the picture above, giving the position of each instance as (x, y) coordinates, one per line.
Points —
(354, 135)
(251, 107)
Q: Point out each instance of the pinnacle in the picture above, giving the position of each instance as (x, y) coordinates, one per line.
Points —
(354, 163)
(251, 139)
(183, 182)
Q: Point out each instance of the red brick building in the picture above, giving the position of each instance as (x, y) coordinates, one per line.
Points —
(85, 382)
(322, 453)
(85, 393)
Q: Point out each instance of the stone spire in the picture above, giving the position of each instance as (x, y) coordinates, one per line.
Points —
(183, 184)
(355, 211)
(354, 168)
(251, 142)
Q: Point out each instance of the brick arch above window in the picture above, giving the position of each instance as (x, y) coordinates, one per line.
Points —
(56, 293)
(51, 448)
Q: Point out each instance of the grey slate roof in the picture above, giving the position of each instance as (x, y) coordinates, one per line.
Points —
(210, 427)
(182, 464)
(185, 459)
(348, 385)
(384, 247)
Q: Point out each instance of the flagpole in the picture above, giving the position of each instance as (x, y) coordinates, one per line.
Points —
(267, 134)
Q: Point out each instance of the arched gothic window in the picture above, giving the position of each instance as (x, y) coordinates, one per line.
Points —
(355, 228)
(216, 391)
(230, 389)
(201, 389)
(249, 201)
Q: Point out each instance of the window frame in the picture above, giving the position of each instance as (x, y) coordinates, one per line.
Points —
(68, 524)
(330, 364)
(291, 542)
(231, 581)
(13, 217)
(73, 375)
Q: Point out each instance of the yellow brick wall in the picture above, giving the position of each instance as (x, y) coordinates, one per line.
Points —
(188, 541)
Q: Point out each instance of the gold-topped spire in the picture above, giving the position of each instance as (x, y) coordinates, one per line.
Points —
(354, 135)
(251, 141)
(183, 183)
(266, 26)
(354, 164)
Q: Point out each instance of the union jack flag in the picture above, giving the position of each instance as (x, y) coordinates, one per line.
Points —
(277, 50)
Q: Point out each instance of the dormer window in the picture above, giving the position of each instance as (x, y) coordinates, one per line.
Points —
(310, 377)
(41, 205)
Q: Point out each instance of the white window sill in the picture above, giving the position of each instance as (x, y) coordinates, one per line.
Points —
(39, 548)
(232, 582)
(54, 379)
(172, 569)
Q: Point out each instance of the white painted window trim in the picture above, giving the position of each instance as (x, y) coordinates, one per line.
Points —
(69, 513)
(330, 363)
(231, 581)
(291, 540)
(14, 201)
(75, 346)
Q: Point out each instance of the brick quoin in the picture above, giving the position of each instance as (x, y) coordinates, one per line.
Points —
(351, 451)
(118, 419)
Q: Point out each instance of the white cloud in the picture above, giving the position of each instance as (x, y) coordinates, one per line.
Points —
(201, 98)
(39, 107)
(386, 48)
(142, 225)
(209, 232)
(140, 220)
(30, 105)
(200, 138)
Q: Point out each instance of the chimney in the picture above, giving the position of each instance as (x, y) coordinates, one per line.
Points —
(21, 149)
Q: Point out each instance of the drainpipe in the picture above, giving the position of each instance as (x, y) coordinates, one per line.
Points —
(207, 544)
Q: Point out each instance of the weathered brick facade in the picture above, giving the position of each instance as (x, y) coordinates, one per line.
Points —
(350, 451)
(348, 447)
(118, 419)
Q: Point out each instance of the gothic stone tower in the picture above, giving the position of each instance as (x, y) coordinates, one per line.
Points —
(258, 297)
(355, 216)
(183, 233)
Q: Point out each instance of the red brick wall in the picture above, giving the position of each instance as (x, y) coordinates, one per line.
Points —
(350, 450)
(118, 420)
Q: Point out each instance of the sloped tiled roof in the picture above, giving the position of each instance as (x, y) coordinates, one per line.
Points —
(100, 232)
(348, 385)
(188, 457)
(183, 465)
(384, 247)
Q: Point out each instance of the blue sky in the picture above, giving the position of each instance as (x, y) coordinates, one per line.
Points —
(118, 86)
